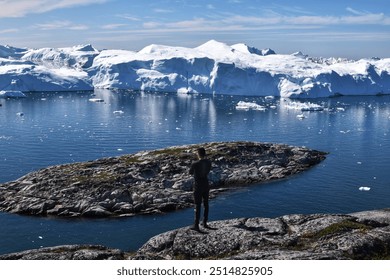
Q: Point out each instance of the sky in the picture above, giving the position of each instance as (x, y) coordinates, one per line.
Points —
(339, 28)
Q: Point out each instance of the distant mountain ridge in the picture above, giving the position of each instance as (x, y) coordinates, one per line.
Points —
(213, 67)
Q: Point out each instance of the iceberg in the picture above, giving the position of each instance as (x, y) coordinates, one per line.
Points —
(213, 67)
(11, 94)
(242, 105)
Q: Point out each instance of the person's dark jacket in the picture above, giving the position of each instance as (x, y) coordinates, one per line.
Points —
(200, 170)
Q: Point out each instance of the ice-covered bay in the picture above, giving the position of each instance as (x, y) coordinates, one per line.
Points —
(68, 127)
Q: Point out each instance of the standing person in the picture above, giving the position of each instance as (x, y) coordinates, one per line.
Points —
(200, 170)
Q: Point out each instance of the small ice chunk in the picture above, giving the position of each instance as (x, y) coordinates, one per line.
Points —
(304, 107)
(301, 116)
(96, 100)
(242, 105)
(118, 112)
(364, 189)
(20, 114)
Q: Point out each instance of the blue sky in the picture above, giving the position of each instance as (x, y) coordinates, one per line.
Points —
(350, 28)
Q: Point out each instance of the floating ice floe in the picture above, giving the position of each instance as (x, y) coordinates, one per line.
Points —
(301, 116)
(304, 107)
(242, 105)
(20, 114)
(119, 112)
(364, 189)
(96, 100)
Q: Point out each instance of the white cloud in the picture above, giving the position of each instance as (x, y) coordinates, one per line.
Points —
(129, 17)
(366, 19)
(353, 11)
(113, 26)
(60, 25)
(151, 25)
(298, 21)
(11, 30)
(162, 11)
(20, 8)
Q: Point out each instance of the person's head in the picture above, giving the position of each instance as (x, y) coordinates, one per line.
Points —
(201, 152)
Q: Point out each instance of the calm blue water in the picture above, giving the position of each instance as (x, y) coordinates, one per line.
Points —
(65, 127)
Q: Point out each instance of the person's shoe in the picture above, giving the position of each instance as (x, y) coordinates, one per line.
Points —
(205, 225)
(195, 227)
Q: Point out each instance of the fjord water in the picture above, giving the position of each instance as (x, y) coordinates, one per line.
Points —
(53, 128)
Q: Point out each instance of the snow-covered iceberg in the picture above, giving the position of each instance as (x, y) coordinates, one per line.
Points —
(213, 67)
(45, 69)
(11, 94)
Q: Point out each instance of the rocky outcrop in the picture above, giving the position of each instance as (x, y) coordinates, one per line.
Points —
(364, 235)
(68, 252)
(148, 182)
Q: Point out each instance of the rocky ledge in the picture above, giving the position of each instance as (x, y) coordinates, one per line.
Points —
(363, 235)
(148, 182)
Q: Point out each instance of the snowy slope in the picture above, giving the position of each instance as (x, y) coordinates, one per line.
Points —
(76, 57)
(213, 67)
(45, 69)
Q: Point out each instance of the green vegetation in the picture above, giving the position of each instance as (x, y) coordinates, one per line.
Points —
(175, 151)
(303, 242)
(341, 227)
(129, 160)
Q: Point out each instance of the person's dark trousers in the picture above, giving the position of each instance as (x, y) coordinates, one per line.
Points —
(198, 197)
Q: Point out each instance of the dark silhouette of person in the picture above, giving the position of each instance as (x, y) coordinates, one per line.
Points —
(200, 170)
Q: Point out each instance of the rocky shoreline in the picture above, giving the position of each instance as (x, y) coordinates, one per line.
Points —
(362, 235)
(148, 182)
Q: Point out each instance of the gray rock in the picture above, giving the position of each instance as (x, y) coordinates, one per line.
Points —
(67, 252)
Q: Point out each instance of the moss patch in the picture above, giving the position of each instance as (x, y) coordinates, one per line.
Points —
(341, 227)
